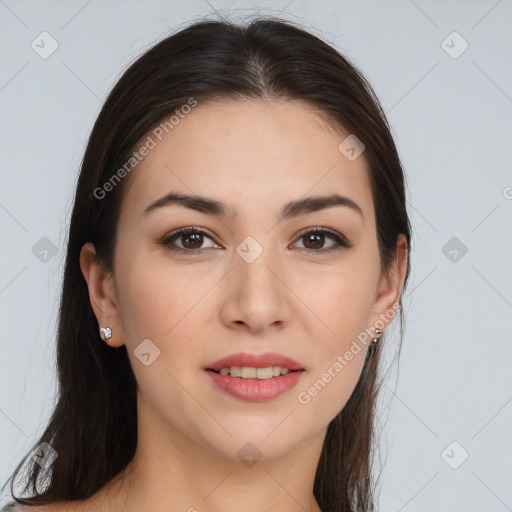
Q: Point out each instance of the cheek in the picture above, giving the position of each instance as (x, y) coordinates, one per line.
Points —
(154, 295)
(329, 390)
(168, 305)
(339, 301)
(342, 303)
(338, 360)
(157, 304)
(142, 301)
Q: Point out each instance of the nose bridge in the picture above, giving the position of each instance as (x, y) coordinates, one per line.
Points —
(257, 266)
(256, 295)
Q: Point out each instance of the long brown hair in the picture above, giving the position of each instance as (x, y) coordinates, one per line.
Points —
(93, 427)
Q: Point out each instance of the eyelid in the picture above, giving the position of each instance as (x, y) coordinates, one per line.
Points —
(186, 229)
(321, 229)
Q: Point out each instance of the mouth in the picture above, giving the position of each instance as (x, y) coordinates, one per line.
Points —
(251, 366)
(252, 373)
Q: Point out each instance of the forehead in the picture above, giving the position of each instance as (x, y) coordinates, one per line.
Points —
(249, 154)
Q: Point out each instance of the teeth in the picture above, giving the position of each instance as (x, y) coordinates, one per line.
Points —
(248, 373)
(254, 373)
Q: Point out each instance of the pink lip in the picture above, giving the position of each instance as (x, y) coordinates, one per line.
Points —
(256, 390)
(255, 361)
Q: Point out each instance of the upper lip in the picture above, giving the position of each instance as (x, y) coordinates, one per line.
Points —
(255, 361)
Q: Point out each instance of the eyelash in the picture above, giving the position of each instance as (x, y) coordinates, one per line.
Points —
(340, 241)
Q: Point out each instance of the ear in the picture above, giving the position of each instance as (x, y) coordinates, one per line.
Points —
(390, 287)
(102, 293)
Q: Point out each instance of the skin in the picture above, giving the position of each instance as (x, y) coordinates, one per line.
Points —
(255, 156)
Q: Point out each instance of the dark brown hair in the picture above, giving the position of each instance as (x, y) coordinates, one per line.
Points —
(93, 427)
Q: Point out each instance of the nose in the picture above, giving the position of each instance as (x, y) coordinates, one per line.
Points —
(255, 296)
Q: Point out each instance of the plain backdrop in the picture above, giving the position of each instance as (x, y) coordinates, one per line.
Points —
(443, 72)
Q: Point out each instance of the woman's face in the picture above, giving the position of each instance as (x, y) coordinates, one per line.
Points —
(249, 279)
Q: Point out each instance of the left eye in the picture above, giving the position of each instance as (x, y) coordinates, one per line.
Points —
(316, 237)
(192, 240)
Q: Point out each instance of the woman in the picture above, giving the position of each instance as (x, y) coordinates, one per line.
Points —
(239, 243)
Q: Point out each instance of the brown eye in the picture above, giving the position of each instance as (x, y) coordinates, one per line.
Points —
(191, 239)
(315, 239)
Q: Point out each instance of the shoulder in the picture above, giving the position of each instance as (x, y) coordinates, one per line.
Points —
(52, 507)
(94, 503)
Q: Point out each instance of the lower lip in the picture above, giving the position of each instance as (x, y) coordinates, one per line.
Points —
(256, 390)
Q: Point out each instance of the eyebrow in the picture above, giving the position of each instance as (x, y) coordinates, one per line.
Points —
(216, 208)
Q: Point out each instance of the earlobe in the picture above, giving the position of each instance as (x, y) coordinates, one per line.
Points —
(102, 295)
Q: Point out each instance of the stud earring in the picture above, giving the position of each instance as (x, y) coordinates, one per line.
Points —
(377, 331)
(107, 333)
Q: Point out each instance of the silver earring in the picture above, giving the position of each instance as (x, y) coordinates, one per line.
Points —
(377, 331)
(107, 332)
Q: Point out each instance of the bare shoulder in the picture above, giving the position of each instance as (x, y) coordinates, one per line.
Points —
(37, 508)
(95, 503)
(52, 507)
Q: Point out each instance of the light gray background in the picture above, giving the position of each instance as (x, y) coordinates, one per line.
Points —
(451, 118)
